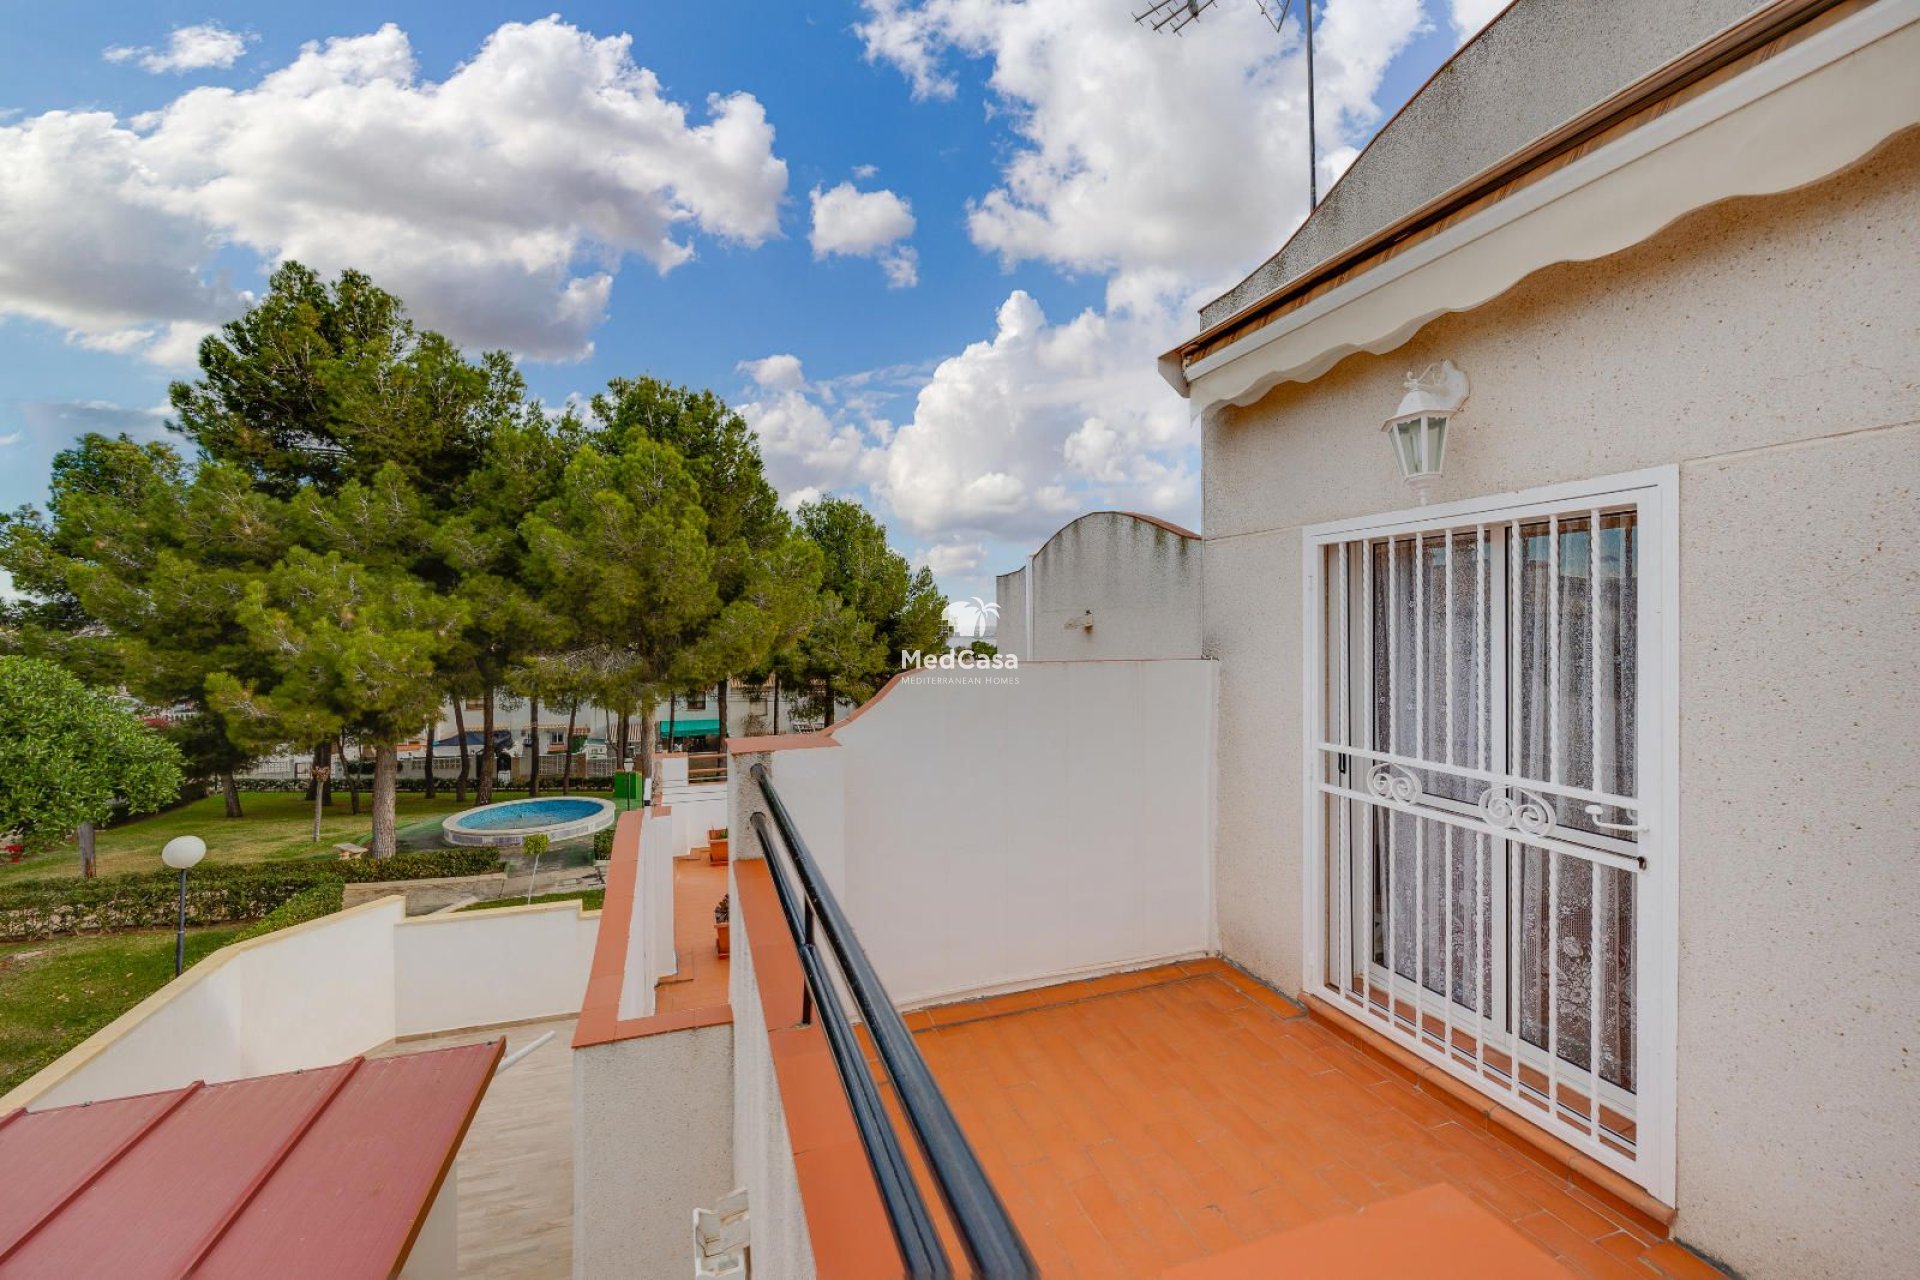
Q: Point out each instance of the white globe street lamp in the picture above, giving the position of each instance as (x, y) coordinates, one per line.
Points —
(182, 853)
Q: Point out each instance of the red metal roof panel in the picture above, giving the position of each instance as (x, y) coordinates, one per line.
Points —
(327, 1172)
(349, 1199)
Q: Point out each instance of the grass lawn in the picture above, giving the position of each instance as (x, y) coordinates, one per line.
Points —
(278, 824)
(589, 900)
(55, 994)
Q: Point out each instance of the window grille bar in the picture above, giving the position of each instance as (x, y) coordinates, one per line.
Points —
(1393, 738)
(1498, 779)
(1419, 749)
(1516, 692)
(1371, 732)
(1546, 844)
(1594, 874)
(1446, 833)
(1482, 846)
(1344, 637)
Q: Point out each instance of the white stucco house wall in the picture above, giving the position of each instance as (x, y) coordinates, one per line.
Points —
(1110, 584)
(1672, 249)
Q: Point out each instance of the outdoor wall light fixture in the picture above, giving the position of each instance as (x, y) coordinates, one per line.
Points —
(1419, 427)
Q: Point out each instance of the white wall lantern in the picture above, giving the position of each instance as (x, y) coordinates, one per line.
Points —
(1418, 429)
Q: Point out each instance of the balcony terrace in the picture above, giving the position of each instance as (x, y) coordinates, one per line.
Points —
(1147, 1119)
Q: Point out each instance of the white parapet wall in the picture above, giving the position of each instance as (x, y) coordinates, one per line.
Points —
(326, 990)
(652, 1140)
(1008, 829)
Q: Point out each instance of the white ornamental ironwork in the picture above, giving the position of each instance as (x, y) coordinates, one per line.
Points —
(1520, 811)
(1391, 782)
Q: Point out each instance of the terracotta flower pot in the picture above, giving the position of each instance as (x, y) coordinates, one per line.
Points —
(720, 930)
(717, 851)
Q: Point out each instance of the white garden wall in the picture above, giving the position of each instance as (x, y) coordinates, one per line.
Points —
(1023, 828)
(323, 991)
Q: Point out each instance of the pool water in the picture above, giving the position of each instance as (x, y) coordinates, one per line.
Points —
(529, 813)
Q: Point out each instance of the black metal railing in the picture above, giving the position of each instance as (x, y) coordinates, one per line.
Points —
(993, 1245)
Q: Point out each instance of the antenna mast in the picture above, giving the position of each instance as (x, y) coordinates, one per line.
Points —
(1171, 15)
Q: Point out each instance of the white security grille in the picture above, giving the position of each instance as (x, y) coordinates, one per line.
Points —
(1481, 762)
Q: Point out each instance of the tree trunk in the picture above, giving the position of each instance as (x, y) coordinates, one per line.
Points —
(230, 792)
(722, 700)
(89, 862)
(353, 779)
(776, 702)
(829, 683)
(320, 777)
(460, 731)
(537, 748)
(386, 774)
(646, 739)
(673, 714)
(322, 786)
(489, 756)
(566, 769)
(432, 784)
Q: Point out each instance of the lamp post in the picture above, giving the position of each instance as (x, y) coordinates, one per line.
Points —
(181, 853)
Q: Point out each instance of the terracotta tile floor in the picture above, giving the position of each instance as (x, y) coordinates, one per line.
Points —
(702, 978)
(1136, 1129)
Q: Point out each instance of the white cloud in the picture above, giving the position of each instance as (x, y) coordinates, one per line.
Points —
(1164, 164)
(777, 373)
(804, 447)
(194, 48)
(1469, 16)
(1167, 167)
(865, 224)
(862, 172)
(950, 558)
(9, 439)
(498, 202)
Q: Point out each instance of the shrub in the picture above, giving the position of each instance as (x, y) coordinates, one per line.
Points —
(216, 893)
(308, 904)
(603, 844)
(535, 845)
(427, 864)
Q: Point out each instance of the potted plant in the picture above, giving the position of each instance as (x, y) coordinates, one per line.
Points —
(722, 916)
(717, 845)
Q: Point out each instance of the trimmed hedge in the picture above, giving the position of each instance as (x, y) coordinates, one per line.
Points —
(308, 904)
(549, 784)
(216, 894)
(603, 844)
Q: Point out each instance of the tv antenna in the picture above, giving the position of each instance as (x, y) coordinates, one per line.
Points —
(1172, 15)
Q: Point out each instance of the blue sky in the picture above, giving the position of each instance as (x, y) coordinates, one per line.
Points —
(1075, 189)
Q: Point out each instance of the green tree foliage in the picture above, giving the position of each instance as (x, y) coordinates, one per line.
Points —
(872, 604)
(621, 549)
(141, 571)
(70, 754)
(354, 649)
(766, 577)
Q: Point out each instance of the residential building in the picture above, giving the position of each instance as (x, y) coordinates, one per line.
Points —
(1515, 877)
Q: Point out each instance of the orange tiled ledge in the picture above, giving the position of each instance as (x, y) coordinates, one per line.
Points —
(846, 1221)
(1555, 1156)
(964, 1011)
(600, 1020)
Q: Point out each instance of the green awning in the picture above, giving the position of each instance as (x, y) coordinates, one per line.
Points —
(691, 728)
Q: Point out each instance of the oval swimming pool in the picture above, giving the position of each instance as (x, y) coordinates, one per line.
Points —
(512, 821)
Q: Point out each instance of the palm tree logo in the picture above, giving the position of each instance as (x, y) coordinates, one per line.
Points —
(981, 612)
